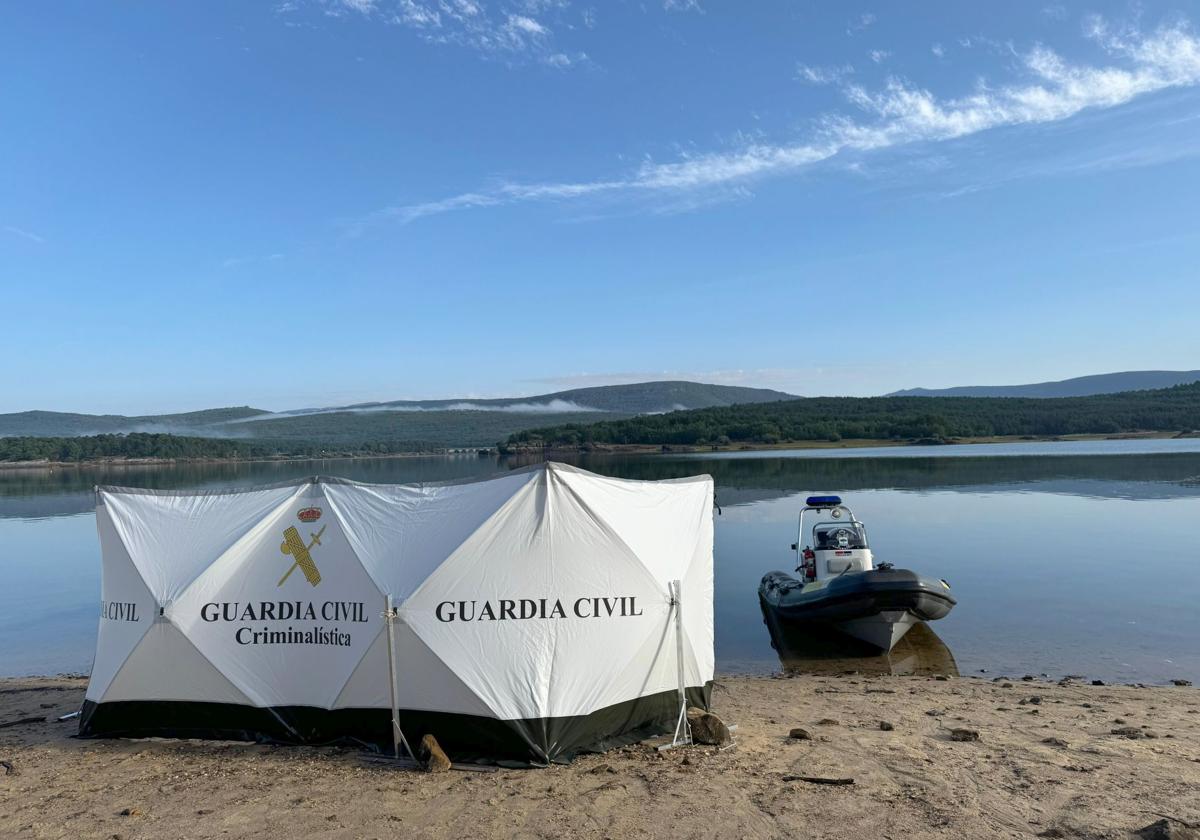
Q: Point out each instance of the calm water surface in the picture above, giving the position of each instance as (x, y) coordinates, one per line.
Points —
(1066, 558)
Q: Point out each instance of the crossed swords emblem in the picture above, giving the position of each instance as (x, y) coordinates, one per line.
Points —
(292, 544)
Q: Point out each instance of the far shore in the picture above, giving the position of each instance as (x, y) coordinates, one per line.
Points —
(602, 449)
(905, 757)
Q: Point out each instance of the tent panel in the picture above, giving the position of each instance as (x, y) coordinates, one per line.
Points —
(166, 666)
(127, 608)
(402, 533)
(657, 520)
(539, 607)
(288, 612)
(193, 530)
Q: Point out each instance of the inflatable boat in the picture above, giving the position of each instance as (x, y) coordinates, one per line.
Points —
(840, 586)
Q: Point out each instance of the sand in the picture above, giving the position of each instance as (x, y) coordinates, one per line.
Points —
(910, 782)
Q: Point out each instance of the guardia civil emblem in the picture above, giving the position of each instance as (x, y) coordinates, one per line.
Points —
(294, 545)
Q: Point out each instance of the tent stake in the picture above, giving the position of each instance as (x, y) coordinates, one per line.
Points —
(389, 615)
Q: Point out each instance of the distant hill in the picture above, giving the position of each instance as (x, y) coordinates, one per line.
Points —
(1080, 386)
(442, 423)
(1175, 409)
(64, 424)
(636, 398)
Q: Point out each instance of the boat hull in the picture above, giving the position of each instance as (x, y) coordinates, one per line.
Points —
(877, 606)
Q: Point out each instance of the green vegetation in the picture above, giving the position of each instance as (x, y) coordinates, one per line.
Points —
(176, 447)
(438, 423)
(886, 418)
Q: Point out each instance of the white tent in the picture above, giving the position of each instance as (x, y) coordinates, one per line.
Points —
(524, 616)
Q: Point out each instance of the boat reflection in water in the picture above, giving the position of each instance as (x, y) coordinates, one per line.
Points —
(813, 649)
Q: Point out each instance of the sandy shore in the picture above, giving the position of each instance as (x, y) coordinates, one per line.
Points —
(910, 782)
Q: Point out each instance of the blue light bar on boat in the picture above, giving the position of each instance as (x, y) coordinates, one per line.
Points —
(823, 501)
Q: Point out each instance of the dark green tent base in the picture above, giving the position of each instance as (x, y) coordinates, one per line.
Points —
(533, 741)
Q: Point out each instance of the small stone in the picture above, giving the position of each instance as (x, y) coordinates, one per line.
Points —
(1128, 732)
(885, 726)
(602, 768)
(799, 734)
(1055, 742)
(964, 735)
(829, 722)
(131, 812)
(1052, 832)
(1027, 678)
(1097, 682)
(707, 728)
(1006, 685)
(1181, 683)
(935, 713)
(941, 678)
(432, 756)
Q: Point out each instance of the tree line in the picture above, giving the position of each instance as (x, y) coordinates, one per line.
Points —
(884, 418)
(179, 447)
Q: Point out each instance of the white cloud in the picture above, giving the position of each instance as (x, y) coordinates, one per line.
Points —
(511, 30)
(822, 75)
(23, 234)
(521, 23)
(900, 113)
(861, 22)
(880, 56)
(938, 50)
(683, 6)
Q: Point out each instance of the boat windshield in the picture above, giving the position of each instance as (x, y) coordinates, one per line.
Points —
(839, 535)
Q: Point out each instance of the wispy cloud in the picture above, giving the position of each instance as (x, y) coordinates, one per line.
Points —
(24, 234)
(519, 29)
(880, 56)
(861, 22)
(897, 114)
(938, 50)
(823, 75)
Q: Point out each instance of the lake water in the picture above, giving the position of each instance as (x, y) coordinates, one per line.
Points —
(1066, 558)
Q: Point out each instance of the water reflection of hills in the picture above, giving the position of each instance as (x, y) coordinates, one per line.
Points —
(1156, 476)
(807, 650)
(64, 492)
(36, 493)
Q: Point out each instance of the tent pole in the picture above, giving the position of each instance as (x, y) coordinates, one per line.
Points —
(398, 738)
(683, 730)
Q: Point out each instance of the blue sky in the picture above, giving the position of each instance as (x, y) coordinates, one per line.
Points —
(327, 201)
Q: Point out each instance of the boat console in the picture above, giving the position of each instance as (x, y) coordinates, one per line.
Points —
(838, 543)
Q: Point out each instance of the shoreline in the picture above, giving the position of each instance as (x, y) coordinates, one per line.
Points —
(1047, 763)
(600, 449)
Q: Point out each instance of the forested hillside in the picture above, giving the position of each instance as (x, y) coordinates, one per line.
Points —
(889, 418)
(177, 447)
